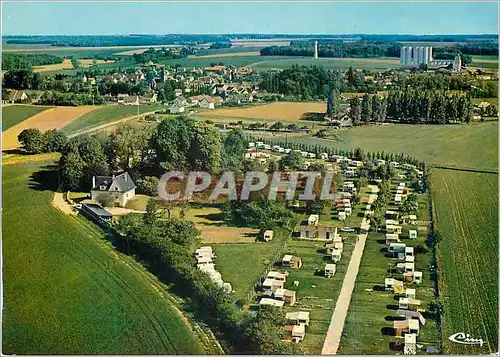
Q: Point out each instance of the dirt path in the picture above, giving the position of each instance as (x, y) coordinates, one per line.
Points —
(54, 118)
(61, 204)
(334, 333)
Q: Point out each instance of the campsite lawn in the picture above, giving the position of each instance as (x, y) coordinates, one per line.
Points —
(316, 293)
(14, 114)
(473, 146)
(66, 291)
(371, 308)
(242, 264)
(106, 115)
(466, 204)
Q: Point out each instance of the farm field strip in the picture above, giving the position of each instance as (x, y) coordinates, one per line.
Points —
(67, 64)
(447, 145)
(67, 288)
(467, 206)
(233, 54)
(53, 118)
(15, 114)
(106, 116)
(285, 111)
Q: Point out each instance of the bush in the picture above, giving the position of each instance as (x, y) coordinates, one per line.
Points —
(105, 200)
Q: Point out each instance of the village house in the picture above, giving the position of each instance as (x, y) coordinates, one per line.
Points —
(291, 261)
(131, 100)
(148, 98)
(176, 109)
(17, 96)
(117, 189)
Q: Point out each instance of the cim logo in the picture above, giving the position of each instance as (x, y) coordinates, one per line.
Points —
(465, 339)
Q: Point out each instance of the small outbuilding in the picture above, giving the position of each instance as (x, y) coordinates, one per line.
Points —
(412, 233)
(391, 238)
(268, 235)
(288, 296)
(298, 318)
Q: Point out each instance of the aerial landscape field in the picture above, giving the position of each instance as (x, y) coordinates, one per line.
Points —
(250, 178)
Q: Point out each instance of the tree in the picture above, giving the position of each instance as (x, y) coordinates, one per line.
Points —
(31, 140)
(366, 108)
(277, 126)
(333, 102)
(205, 149)
(234, 148)
(148, 185)
(150, 217)
(292, 161)
(72, 169)
(355, 110)
(272, 166)
(54, 141)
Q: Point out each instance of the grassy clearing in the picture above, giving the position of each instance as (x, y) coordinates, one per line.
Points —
(14, 114)
(370, 310)
(66, 291)
(467, 216)
(241, 264)
(106, 115)
(472, 146)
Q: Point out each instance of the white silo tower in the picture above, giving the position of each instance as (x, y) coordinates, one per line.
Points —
(315, 49)
(426, 55)
(409, 56)
(402, 56)
(430, 55)
(420, 55)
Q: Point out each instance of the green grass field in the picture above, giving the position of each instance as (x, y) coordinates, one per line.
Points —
(370, 310)
(66, 291)
(241, 264)
(466, 146)
(106, 115)
(316, 293)
(14, 114)
(264, 63)
(467, 216)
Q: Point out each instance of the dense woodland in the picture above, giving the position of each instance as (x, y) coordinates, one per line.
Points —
(338, 49)
(21, 61)
(367, 49)
(157, 55)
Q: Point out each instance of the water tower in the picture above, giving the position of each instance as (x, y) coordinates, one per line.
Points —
(315, 49)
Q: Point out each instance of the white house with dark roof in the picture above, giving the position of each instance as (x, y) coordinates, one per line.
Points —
(119, 188)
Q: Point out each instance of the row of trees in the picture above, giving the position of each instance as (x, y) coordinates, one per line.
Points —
(34, 142)
(169, 244)
(337, 49)
(12, 61)
(412, 106)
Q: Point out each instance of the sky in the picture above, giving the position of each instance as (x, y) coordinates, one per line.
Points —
(89, 18)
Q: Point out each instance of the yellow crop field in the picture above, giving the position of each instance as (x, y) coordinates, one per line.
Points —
(274, 111)
(54, 118)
